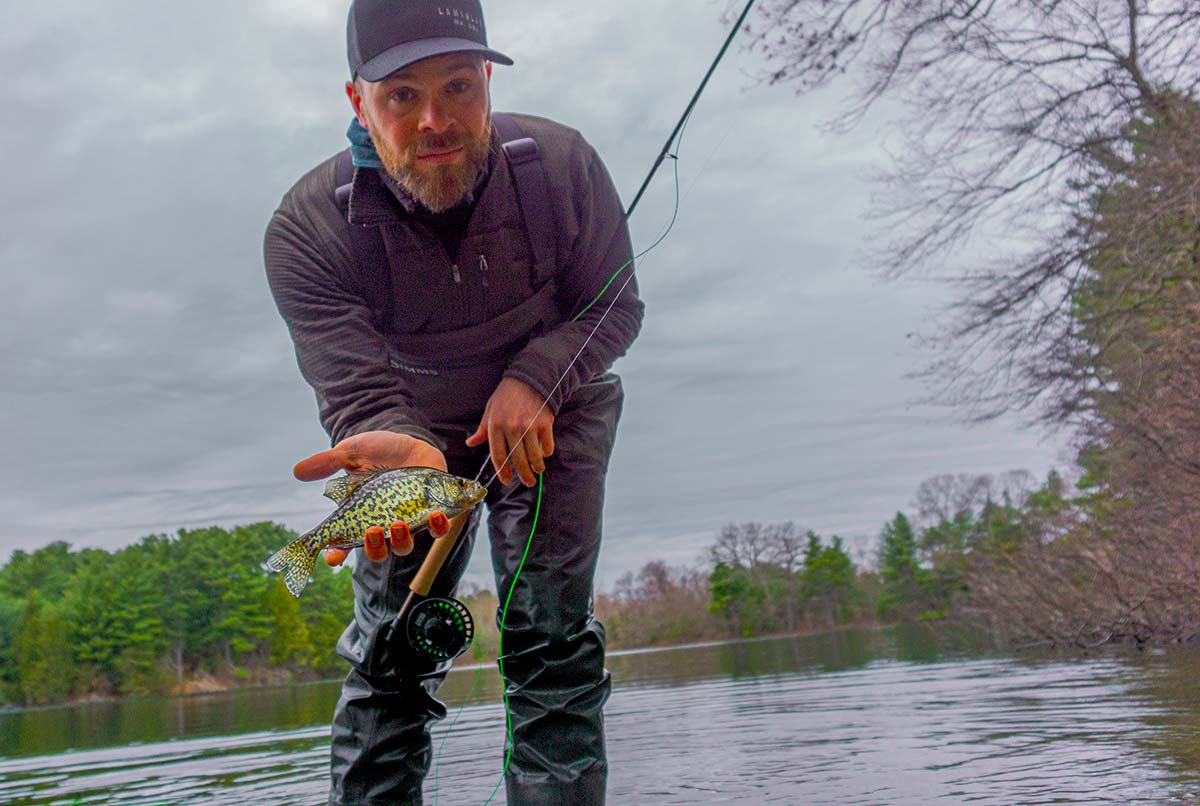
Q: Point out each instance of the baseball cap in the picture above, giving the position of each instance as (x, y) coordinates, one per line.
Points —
(383, 36)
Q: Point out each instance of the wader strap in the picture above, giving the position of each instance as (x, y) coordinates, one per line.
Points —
(533, 194)
(374, 273)
(465, 346)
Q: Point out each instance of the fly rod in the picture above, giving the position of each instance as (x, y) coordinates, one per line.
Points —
(699, 91)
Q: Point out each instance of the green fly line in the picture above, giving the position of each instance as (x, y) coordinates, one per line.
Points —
(666, 151)
(538, 508)
(512, 586)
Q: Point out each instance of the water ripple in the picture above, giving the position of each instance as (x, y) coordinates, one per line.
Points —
(772, 722)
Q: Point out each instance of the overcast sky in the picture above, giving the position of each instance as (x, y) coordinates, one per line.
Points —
(149, 383)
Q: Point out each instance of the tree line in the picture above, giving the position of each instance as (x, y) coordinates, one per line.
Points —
(166, 611)
(939, 562)
(756, 579)
(169, 611)
(173, 613)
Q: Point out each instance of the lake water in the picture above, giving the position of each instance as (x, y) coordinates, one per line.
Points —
(854, 717)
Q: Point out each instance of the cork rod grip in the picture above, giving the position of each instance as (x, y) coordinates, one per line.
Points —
(436, 558)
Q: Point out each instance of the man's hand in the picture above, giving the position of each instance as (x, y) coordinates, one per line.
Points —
(513, 410)
(368, 451)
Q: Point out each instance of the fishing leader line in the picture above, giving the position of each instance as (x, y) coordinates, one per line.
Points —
(677, 132)
(617, 296)
(663, 154)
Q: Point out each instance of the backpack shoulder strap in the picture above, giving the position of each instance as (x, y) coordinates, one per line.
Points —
(374, 273)
(533, 193)
(524, 159)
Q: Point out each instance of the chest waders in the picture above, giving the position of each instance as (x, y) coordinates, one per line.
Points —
(453, 372)
(553, 648)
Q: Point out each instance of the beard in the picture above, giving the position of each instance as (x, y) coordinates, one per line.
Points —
(437, 187)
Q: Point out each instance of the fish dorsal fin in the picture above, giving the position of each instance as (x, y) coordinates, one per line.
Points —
(340, 488)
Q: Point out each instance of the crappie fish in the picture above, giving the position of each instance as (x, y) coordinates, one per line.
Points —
(375, 498)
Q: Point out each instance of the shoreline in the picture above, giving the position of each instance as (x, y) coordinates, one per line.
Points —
(207, 684)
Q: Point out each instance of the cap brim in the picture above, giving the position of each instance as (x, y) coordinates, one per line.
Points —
(403, 55)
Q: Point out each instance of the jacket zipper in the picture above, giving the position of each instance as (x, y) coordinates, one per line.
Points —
(457, 275)
(483, 269)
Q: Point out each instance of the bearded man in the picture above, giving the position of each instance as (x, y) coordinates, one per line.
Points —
(441, 281)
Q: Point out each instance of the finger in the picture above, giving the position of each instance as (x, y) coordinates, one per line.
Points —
(546, 435)
(479, 436)
(320, 465)
(402, 541)
(374, 546)
(439, 524)
(533, 452)
(520, 463)
(334, 557)
(497, 448)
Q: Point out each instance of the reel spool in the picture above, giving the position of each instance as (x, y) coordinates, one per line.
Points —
(440, 629)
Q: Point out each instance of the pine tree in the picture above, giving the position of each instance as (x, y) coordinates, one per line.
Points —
(829, 579)
(902, 577)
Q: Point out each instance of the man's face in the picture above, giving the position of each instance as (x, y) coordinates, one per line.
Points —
(431, 124)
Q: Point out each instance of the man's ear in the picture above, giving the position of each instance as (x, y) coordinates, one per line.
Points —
(356, 100)
(487, 66)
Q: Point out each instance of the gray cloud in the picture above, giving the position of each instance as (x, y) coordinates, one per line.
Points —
(149, 383)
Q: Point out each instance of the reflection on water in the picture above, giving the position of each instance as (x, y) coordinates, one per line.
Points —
(843, 718)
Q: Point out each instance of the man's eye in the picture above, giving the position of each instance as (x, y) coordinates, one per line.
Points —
(403, 96)
(462, 85)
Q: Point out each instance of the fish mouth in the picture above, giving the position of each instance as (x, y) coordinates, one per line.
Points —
(460, 497)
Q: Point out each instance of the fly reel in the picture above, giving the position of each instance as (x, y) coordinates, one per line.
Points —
(439, 629)
(433, 628)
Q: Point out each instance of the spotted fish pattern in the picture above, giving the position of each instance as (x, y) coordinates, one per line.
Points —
(377, 498)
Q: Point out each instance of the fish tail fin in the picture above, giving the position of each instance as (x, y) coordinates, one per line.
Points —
(296, 561)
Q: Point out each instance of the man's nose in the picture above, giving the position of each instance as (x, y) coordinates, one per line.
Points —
(433, 117)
